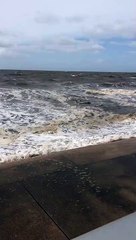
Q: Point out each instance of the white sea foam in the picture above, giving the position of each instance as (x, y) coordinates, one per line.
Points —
(29, 144)
(37, 121)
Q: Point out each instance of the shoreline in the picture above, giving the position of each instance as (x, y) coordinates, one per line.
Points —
(101, 151)
(45, 143)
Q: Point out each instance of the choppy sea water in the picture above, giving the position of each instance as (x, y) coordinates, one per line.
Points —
(42, 112)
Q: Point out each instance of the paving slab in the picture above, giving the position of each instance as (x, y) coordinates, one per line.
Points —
(21, 218)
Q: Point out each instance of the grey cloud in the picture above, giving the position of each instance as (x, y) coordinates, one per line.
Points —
(68, 44)
(3, 33)
(55, 19)
(5, 45)
(95, 35)
(76, 19)
(56, 43)
(7, 34)
(7, 39)
(116, 29)
(47, 19)
(98, 29)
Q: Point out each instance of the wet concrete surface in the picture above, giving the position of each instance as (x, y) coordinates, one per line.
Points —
(67, 194)
(22, 218)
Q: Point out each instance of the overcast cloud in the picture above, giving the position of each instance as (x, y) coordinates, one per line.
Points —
(59, 26)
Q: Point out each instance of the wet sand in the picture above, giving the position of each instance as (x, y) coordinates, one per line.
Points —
(63, 195)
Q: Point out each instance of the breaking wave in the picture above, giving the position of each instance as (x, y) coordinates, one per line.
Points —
(43, 120)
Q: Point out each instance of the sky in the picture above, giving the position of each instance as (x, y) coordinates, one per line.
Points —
(84, 35)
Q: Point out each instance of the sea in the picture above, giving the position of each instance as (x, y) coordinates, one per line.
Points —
(43, 111)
